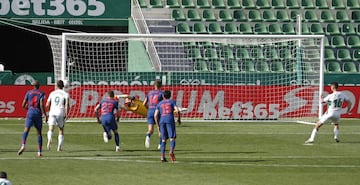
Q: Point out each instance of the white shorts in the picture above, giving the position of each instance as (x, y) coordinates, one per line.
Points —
(56, 120)
(330, 116)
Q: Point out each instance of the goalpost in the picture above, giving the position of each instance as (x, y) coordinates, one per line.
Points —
(216, 77)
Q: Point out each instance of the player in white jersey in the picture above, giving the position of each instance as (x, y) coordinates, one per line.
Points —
(58, 106)
(334, 102)
(3, 179)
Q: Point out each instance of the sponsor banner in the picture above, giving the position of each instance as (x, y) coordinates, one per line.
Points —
(203, 102)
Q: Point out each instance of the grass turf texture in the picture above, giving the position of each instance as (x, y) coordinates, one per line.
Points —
(207, 153)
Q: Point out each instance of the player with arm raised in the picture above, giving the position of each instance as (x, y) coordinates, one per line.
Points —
(334, 102)
(59, 107)
(34, 103)
(164, 118)
(107, 107)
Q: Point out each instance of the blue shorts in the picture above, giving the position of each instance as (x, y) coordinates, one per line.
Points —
(33, 120)
(109, 123)
(150, 117)
(167, 130)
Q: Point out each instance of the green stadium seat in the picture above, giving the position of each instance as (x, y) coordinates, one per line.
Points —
(290, 66)
(356, 55)
(239, 15)
(215, 28)
(269, 16)
(272, 54)
(203, 4)
(254, 16)
(338, 41)
(321, 4)
(245, 28)
(227, 53)
(156, 4)
(242, 54)
(263, 4)
(187, 4)
(231, 28)
(292, 4)
(275, 29)
(216, 66)
(262, 66)
(329, 54)
(282, 16)
(193, 15)
(208, 15)
(332, 29)
(349, 67)
(278, 4)
(316, 29)
(248, 4)
(285, 53)
(333, 67)
(218, 4)
(343, 54)
(294, 14)
(353, 4)
(326, 16)
(178, 15)
(305, 29)
(260, 28)
(327, 43)
(355, 16)
(310, 16)
(342, 16)
(307, 67)
(211, 54)
(172, 4)
(247, 66)
(194, 53)
(189, 44)
(277, 66)
(225, 15)
(201, 66)
(307, 4)
(183, 28)
(257, 53)
(232, 66)
(142, 3)
(338, 4)
(233, 4)
(205, 44)
(199, 28)
(353, 41)
(348, 29)
(288, 28)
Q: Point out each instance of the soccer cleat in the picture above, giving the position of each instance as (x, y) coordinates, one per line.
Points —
(337, 140)
(39, 154)
(172, 155)
(59, 149)
(163, 160)
(106, 140)
(21, 150)
(147, 142)
(48, 146)
(309, 141)
(117, 149)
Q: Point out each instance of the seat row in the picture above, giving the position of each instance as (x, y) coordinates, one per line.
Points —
(338, 41)
(252, 4)
(342, 55)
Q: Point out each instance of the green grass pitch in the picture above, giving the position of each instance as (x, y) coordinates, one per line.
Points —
(222, 153)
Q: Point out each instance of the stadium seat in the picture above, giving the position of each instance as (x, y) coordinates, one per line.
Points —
(247, 66)
(327, 43)
(208, 15)
(194, 53)
(308, 4)
(342, 16)
(248, 4)
(263, 4)
(332, 29)
(183, 28)
(203, 4)
(189, 44)
(353, 41)
(271, 53)
(233, 4)
(278, 4)
(218, 4)
(316, 29)
(326, 16)
(232, 66)
(321, 4)
(310, 16)
(355, 16)
(172, 4)
(306, 66)
(239, 15)
(227, 53)
(275, 29)
(262, 66)
(254, 16)
(215, 66)
(333, 67)
(193, 15)
(142, 3)
(187, 4)
(305, 29)
(257, 53)
(260, 28)
(353, 4)
(329, 54)
(231, 28)
(178, 15)
(242, 54)
(269, 16)
(282, 16)
(288, 28)
(225, 15)
(285, 53)
(338, 4)
(290, 66)
(348, 29)
(338, 41)
(211, 54)
(200, 66)
(356, 55)
(205, 44)
(199, 28)
(215, 28)
(292, 4)
(294, 14)
(156, 4)
(343, 54)
(277, 66)
(245, 28)
(349, 67)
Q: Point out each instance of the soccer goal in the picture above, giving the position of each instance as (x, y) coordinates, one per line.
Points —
(215, 77)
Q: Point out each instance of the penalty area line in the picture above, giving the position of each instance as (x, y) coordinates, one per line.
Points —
(306, 123)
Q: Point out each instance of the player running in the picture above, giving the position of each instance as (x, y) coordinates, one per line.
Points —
(166, 124)
(107, 107)
(59, 107)
(334, 101)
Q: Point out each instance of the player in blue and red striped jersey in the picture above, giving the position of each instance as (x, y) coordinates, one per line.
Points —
(107, 107)
(166, 124)
(34, 103)
(151, 101)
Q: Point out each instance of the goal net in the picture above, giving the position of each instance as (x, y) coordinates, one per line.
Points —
(215, 77)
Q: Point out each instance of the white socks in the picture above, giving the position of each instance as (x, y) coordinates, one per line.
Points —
(313, 134)
(49, 135)
(60, 140)
(336, 133)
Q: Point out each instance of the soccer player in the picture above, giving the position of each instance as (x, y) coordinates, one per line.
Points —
(166, 124)
(35, 104)
(59, 107)
(3, 179)
(151, 101)
(334, 102)
(107, 108)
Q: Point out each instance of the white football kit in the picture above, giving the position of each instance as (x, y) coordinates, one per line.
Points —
(4, 181)
(57, 98)
(334, 102)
